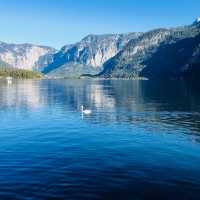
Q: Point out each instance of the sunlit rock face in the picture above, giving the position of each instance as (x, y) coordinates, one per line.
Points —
(88, 55)
(127, 62)
(25, 56)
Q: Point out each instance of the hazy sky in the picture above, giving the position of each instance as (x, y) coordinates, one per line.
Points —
(60, 22)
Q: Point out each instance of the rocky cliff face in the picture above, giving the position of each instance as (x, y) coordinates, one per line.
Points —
(87, 56)
(155, 53)
(128, 62)
(25, 56)
(174, 60)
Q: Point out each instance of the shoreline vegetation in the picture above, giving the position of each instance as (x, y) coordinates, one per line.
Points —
(19, 73)
(28, 74)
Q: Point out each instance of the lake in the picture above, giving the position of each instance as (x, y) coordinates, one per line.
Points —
(142, 140)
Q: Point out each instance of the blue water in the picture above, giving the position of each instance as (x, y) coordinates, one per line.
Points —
(142, 140)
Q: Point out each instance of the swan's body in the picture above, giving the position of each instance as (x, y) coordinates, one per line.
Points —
(85, 111)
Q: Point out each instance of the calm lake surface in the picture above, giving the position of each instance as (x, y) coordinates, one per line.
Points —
(142, 140)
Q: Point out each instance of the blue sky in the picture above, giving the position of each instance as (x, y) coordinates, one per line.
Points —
(59, 22)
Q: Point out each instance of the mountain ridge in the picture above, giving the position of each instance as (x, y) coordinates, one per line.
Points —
(133, 59)
(129, 55)
(88, 55)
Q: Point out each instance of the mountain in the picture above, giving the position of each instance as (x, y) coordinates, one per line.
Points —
(25, 56)
(160, 53)
(88, 55)
(156, 54)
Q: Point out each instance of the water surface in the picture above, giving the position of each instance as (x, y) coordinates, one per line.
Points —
(142, 140)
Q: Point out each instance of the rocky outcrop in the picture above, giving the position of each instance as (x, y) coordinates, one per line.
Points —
(25, 56)
(87, 56)
(128, 62)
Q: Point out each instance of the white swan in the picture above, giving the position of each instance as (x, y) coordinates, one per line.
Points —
(86, 112)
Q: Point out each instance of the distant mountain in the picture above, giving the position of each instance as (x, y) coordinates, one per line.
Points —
(161, 53)
(25, 56)
(88, 55)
